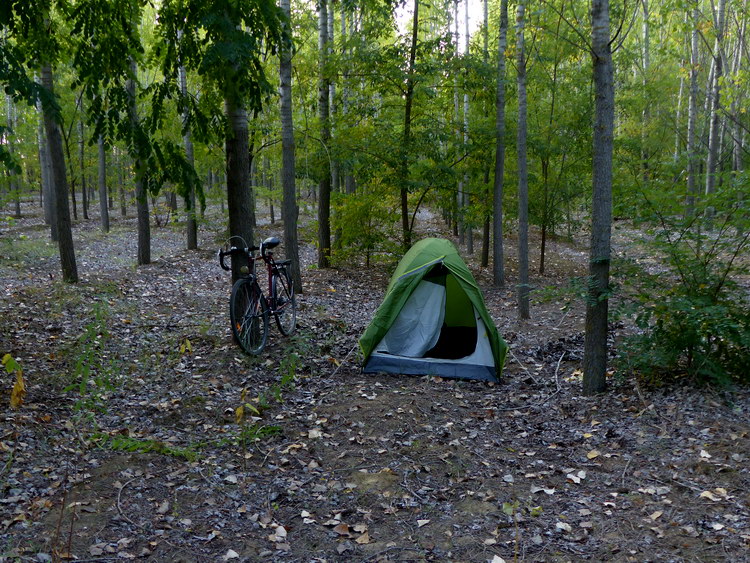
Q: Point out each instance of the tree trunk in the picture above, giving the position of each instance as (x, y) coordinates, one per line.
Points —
(485, 59)
(289, 190)
(646, 114)
(714, 137)
(62, 211)
(324, 185)
(45, 167)
(523, 181)
(192, 223)
(597, 307)
(102, 177)
(692, 168)
(82, 159)
(407, 130)
(498, 270)
(467, 185)
(239, 201)
(459, 227)
(14, 185)
(141, 197)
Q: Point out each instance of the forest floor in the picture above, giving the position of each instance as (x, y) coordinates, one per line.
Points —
(127, 447)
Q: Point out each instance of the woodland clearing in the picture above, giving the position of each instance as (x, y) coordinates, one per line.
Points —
(128, 446)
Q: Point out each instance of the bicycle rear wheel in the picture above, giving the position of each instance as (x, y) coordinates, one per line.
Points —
(285, 310)
(248, 312)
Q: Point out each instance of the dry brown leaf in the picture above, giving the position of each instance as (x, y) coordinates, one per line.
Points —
(363, 539)
(342, 529)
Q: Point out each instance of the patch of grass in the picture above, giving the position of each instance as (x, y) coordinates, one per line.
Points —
(22, 251)
(128, 444)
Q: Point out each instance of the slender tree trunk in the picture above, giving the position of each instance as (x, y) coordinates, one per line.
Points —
(45, 166)
(324, 186)
(692, 152)
(192, 223)
(597, 307)
(62, 211)
(13, 177)
(335, 176)
(239, 201)
(646, 114)
(406, 145)
(141, 197)
(737, 130)
(349, 183)
(289, 190)
(467, 185)
(485, 59)
(714, 137)
(102, 176)
(523, 181)
(498, 270)
(459, 227)
(82, 159)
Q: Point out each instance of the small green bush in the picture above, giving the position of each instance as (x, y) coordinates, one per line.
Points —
(693, 318)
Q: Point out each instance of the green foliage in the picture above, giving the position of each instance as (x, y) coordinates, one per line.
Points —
(119, 442)
(365, 225)
(93, 374)
(693, 318)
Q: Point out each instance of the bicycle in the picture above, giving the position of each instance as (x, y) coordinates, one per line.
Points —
(249, 309)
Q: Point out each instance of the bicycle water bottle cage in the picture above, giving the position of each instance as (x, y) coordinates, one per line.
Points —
(270, 242)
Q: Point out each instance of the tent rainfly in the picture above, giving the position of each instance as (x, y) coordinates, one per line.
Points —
(433, 320)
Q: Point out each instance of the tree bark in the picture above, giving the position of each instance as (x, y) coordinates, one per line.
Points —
(498, 270)
(141, 197)
(409, 95)
(289, 189)
(597, 307)
(102, 177)
(324, 185)
(82, 159)
(523, 180)
(45, 168)
(62, 211)
(714, 137)
(467, 185)
(692, 153)
(239, 201)
(485, 59)
(192, 223)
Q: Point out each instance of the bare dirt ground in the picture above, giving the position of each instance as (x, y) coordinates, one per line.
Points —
(127, 444)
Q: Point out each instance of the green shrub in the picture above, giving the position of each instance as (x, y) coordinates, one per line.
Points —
(693, 318)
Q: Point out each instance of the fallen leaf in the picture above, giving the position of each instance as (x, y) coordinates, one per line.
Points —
(163, 507)
(563, 527)
(593, 454)
(363, 539)
(231, 554)
(421, 523)
(342, 529)
(655, 516)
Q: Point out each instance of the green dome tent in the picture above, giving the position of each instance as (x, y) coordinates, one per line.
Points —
(433, 320)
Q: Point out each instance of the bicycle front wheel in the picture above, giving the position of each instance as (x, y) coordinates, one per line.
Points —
(285, 304)
(248, 312)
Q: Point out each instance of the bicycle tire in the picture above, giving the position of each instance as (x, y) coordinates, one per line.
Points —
(248, 313)
(285, 302)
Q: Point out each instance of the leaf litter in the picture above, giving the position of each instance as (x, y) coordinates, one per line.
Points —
(339, 466)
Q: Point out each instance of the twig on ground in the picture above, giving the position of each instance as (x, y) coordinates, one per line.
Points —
(338, 367)
(522, 366)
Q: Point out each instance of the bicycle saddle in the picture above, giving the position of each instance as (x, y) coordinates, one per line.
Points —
(271, 242)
